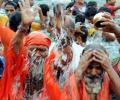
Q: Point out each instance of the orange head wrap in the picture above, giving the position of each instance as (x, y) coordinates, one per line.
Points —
(37, 38)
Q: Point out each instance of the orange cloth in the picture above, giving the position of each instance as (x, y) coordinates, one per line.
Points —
(102, 95)
(5, 35)
(70, 90)
(51, 88)
(37, 38)
(16, 68)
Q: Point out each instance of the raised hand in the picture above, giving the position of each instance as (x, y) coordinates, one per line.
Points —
(102, 58)
(85, 60)
(27, 13)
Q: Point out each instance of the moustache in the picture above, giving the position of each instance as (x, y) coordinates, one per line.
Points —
(94, 77)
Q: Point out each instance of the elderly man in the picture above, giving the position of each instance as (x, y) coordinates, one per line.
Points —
(22, 76)
(95, 74)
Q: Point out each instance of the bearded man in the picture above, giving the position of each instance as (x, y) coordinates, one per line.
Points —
(95, 75)
(22, 76)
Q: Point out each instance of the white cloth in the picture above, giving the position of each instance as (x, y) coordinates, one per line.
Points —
(77, 51)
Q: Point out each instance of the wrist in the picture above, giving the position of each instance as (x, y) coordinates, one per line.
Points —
(108, 70)
(23, 29)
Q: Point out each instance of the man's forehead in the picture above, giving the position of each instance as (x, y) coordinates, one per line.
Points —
(37, 46)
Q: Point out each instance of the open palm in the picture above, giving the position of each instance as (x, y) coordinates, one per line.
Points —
(27, 13)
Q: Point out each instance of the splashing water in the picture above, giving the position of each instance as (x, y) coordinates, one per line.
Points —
(34, 80)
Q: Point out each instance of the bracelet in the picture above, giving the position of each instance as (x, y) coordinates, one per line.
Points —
(23, 29)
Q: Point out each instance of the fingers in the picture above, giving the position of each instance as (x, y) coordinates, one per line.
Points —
(107, 15)
(21, 6)
(24, 4)
(96, 60)
(27, 3)
(106, 23)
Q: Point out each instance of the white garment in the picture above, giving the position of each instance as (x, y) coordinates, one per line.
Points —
(77, 51)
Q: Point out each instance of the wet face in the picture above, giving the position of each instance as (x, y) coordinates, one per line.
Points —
(36, 53)
(94, 69)
(93, 77)
(9, 10)
(63, 58)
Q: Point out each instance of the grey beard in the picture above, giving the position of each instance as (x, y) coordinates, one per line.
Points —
(93, 85)
(34, 80)
(36, 68)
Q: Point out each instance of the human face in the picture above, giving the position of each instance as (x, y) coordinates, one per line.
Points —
(93, 77)
(40, 50)
(94, 69)
(9, 10)
(36, 54)
(112, 2)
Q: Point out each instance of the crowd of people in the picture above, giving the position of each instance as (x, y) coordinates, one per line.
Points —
(59, 52)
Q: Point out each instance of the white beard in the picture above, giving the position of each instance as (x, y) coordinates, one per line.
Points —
(93, 86)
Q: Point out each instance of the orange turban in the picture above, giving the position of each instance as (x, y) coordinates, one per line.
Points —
(37, 38)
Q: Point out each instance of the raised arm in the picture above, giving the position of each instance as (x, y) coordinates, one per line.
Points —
(103, 59)
(117, 8)
(27, 18)
(110, 26)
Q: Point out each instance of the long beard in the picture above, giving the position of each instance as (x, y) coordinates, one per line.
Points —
(34, 80)
(93, 83)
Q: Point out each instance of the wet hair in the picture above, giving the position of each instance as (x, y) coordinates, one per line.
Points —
(14, 21)
(90, 11)
(44, 8)
(92, 4)
(11, 3)
(94, 47)
(80, 18)
(104, 9)
(82, 34)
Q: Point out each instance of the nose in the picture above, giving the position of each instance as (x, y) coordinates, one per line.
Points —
(94, 71)
(9, 13)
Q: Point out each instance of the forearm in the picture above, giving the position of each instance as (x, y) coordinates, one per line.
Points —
(78, 76)
(18, 38)
(117, 32)
(114, 81)
(117, 8)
